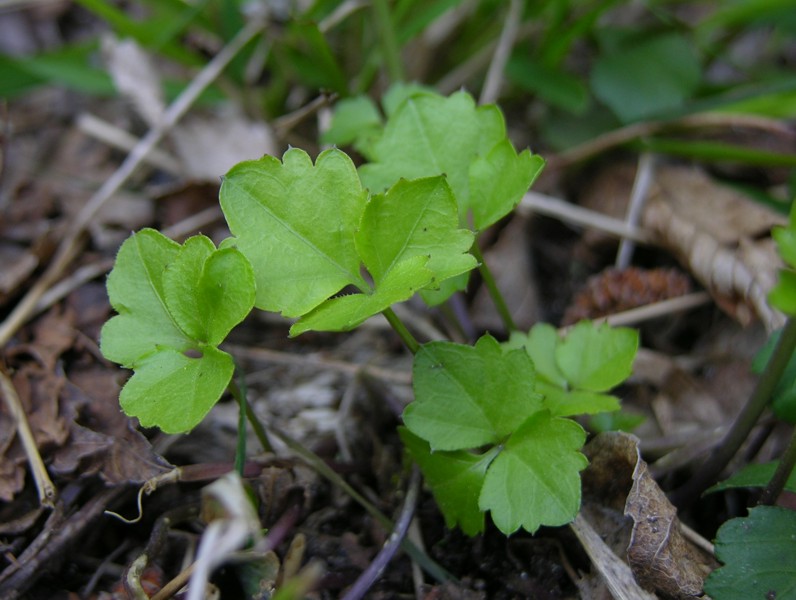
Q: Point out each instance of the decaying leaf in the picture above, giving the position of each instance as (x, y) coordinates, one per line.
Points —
(711, 230)
(661, 559)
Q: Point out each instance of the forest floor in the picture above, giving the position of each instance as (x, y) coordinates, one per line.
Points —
(341, 395)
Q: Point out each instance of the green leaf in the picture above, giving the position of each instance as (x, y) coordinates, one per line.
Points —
(647, 77)
(455, 479)
(355, 121)
(574, 371)
(432, 135)
(540, 343)
(499, 180)
(175, 304)
(783, 294)
(173, 391)
(408, 239)
(759, 556)
(295, 222)
(535, 480)
(565, 403)
(415, 218)
(344, 313)
(597, 358)
(756, 475)
(468, 396)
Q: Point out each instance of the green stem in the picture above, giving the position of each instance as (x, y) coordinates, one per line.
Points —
(781, 475)
(238, 391)
(317, 463)
(746, 420)
(389, 45)
(408, 339)
(492, 288)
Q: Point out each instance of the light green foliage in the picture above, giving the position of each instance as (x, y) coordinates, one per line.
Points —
(176, 304)
(759, 556)
(753, 476)
(783, 296)
(647, 76)
(295, 222)
(308, 229)
(535, 480)
(429, 134)
(356, 121)
(576, 370)
(469, 397)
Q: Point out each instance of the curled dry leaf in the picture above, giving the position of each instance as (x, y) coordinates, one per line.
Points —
(661, 559)
(711, 230)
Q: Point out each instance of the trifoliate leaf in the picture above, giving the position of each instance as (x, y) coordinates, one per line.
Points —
(468, 396)
(408, 239)
(432, 135)
(597, 358)
(175, 304)
(455, 479)
(535, 479)
(572, 372)
(295, 222)
(759, 556)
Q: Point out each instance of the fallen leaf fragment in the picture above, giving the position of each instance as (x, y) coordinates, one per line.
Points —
(661, 559)
(711, 231)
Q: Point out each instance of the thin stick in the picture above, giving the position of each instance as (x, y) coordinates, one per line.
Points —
(576, 215)
(375, 569)
(494, 76)
(494, 291)
(46, 488)
(638, 197)
(70, 246)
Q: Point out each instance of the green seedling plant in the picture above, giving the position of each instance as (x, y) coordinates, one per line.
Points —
(330, 246)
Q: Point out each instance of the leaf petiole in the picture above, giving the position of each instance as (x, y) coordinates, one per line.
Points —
(406, 337)
(492, 288)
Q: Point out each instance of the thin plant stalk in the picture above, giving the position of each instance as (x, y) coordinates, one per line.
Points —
(238, 391)
(746, 420)
(389, 45)
(494, 292)
(781, 475)
(408, 339)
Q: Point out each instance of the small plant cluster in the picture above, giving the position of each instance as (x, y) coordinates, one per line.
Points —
(490, 424)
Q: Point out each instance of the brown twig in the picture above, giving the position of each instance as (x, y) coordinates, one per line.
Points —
(46, 488)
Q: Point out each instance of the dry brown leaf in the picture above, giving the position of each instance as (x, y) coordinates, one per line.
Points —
(661, 558)
(710, 229)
